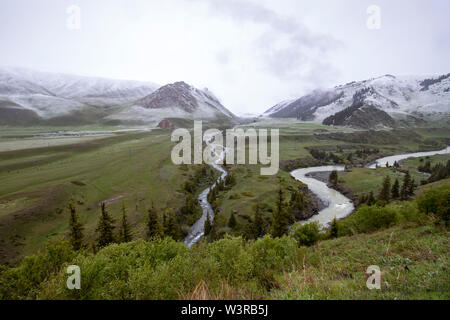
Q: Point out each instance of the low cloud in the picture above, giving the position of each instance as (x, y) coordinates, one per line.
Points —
(287, 49)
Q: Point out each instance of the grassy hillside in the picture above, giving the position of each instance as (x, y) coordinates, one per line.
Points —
(37, 185)
(411, 250)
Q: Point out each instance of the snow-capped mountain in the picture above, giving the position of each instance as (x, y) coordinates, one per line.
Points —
(52, 95)
(406, 98)
(176, 100)
(32, 97)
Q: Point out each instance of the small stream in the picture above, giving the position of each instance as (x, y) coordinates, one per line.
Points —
(196, 232)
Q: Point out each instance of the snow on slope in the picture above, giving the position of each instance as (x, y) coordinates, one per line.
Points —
(51, 95)
(176, 100)
(394, 95)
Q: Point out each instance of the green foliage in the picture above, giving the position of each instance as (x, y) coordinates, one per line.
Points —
(305, 234)
(163, 268)
(154, 228)
(125, 230)
(76, 229)
(385, 193)
(333, 178)
(406, 188)
(26, 280)
(368, 219)
(256, 227)
(208, 226)
(172, 227)
(105, 228)
(395, 191)
(281, 217)
(436, 201)
(334, 229)
(232, 221)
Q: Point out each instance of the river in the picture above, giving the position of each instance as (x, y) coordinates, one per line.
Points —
(196, 232)
(339, 206)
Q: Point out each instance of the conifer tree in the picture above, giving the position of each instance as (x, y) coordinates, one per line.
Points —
(208, 226)
(280, 221)
(371, 199)
(385, 192)
(395, 192)
(105, 228)
(334, 229)
(125, 230)
(333, 178)
(258, 223)
(232, 221)
(154, 229)
(404, 193)
(411, 188)
(172, 227)
(76, 229)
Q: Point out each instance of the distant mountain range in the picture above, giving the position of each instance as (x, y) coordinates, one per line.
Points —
(30, 97)
(382, 102)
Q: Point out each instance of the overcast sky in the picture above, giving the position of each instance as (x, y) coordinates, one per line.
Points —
(251, 54)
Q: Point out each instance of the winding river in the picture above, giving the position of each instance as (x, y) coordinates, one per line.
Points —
(196, 232)
(338, 205)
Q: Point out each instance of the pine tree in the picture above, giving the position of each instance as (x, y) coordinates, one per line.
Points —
(124, 232)
(404, 193)
(105, 228)
(371, 199)
(411, 188)
(207, 228)
(232, 221)
(76, 229)
(258, 223)
(334, 229)
(333, 178)
(280, 221)
(172, 227)
(154, 229)
(395, 192)
(385, 192)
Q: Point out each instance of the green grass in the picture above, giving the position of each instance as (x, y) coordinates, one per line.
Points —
(364, 180)
(335, 269)
(37, 185)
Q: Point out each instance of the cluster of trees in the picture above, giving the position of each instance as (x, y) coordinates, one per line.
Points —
(391, 191)
(437, 172)
(325, 156)
(365, 152)
(105, 229)
(202, 175)
(167, 226)
(221, 185)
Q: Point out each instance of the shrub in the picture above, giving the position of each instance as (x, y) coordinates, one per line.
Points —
(305, 234)
(24, 281)
(436, 201)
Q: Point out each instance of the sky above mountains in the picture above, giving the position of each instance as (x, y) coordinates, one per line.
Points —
(251, 54)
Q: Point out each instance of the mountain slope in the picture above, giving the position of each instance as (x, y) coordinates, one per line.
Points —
(176, 100)
(30, 97)
(408, 98)
(54, 95)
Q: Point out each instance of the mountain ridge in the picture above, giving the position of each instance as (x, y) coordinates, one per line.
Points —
(421, 98)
